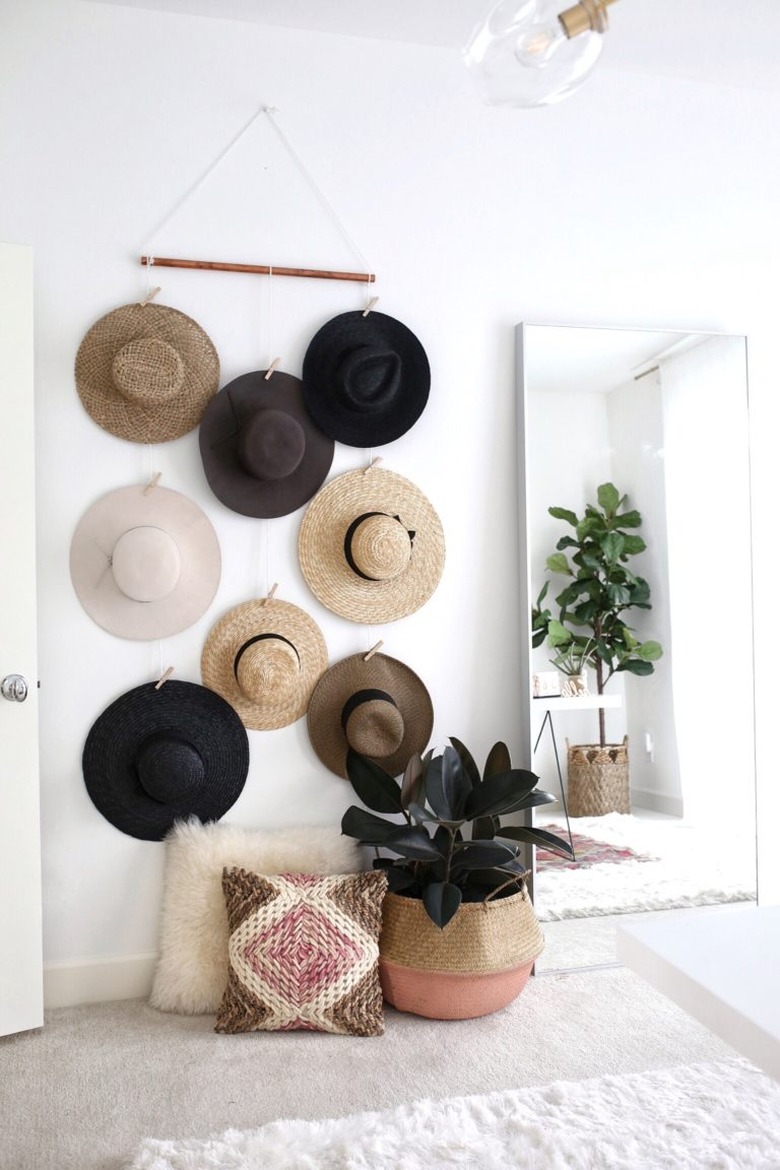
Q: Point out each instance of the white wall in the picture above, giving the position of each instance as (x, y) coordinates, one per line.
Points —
(641, 201)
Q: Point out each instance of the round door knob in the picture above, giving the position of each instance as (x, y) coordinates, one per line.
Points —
(14, 688)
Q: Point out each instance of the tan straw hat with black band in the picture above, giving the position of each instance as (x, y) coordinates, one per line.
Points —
(146, 372)
(373, 704)
(371, 546)
(145, 562)
(264, 657)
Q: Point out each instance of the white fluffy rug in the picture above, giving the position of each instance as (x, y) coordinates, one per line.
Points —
(694, 867)
(721, 1116)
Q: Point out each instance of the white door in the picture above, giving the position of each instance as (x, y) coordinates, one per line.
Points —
(21, 967)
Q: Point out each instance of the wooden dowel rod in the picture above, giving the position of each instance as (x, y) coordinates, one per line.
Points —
(259, 269)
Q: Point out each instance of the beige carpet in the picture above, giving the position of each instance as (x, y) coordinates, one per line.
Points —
(82, 1093)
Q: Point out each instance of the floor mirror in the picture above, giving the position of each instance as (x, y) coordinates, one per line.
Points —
(663, 417)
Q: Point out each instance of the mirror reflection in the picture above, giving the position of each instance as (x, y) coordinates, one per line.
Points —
(637, 585)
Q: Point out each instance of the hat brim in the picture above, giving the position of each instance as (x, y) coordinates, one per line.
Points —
(321, 546)
(232, 632)
(353, 674)
(321, 375)
(186, 710)
(92, 546)
(219, 438)
(128, 420)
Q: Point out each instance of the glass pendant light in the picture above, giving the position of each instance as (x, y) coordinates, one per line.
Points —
(530, 53)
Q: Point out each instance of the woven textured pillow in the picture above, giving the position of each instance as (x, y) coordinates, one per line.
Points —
(303, 953)
(192, 968)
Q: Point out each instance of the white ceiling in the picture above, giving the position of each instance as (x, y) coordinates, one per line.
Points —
(733, 42)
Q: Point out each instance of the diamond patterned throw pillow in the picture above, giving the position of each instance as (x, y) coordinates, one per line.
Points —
(303, 952)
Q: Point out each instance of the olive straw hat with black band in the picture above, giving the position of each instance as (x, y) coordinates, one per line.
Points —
(375, 705)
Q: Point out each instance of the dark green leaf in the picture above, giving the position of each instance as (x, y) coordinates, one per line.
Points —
(483, 854)
(636, 666)
(563, 514)
(483, 828)
(412, 786)
(630, 519)
(500, 793)
(375, 787)
(541, 837)
(466, 758)
(447, 786)
(608, 497)
(497, 760)
(365, 827)
(398, 877)
(441, 901)
(412, 841)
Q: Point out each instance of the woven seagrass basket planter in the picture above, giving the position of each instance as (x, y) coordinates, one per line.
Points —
(598, 779)
(476, 965)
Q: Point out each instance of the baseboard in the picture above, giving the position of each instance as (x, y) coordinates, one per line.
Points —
(671, 806)
(97, 980)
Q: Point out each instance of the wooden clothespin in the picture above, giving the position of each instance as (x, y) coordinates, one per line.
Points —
(271, 368)
(373, 650)
(370, 306)
(152, 482)
(374, 463)
(163, 678)
(271, 592)
(150, 295)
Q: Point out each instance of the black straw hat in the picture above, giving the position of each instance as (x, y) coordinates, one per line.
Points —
(366, 379)
(160, 754)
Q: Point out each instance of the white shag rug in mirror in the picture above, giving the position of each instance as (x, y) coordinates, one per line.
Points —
(690, 866)
(719, 1116)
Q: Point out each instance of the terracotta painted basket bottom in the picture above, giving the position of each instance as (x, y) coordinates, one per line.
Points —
(448, 995)
(476, 965)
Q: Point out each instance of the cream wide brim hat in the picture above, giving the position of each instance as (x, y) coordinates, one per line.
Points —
(373, 704)
(145, 562)
(371, 546)
(265, 657)
(146, 373)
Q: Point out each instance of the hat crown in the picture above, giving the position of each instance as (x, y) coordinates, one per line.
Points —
(369, 377)
(146, 563)
(147, 371)
(377, 546)
(170, 769)
(271, 444)
(266, 666)
(373, 724)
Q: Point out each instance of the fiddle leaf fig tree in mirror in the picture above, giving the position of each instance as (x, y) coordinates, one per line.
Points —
(591, 627)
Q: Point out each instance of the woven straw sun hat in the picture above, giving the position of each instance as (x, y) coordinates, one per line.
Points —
(371, 546)
(366, 379)
(145, 562)
(146, 372)
(264, 657)
(373, 704)
(160, 754)
(262, 452)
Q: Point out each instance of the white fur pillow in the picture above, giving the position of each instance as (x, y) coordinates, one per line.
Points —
(192, 969)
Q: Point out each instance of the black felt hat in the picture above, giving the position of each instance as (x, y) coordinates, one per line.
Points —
(263, 453)
(366, 379)
(157, 755)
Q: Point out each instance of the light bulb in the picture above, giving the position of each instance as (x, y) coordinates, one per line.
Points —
(530, 53)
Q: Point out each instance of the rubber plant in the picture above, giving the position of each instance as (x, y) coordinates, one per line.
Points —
(591, 625)
(444, 827)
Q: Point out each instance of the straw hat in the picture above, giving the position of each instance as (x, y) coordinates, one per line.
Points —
(366, 379)
(158, 755)
(262, 452)
(375, 705)
(145, 562)
(146, 372)
(371, 546)
(264, 657)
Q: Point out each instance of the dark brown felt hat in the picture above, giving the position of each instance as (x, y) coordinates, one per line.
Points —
(145, 373)
(262, 452)
(366, 379)
(373, 704)
(161, 754)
